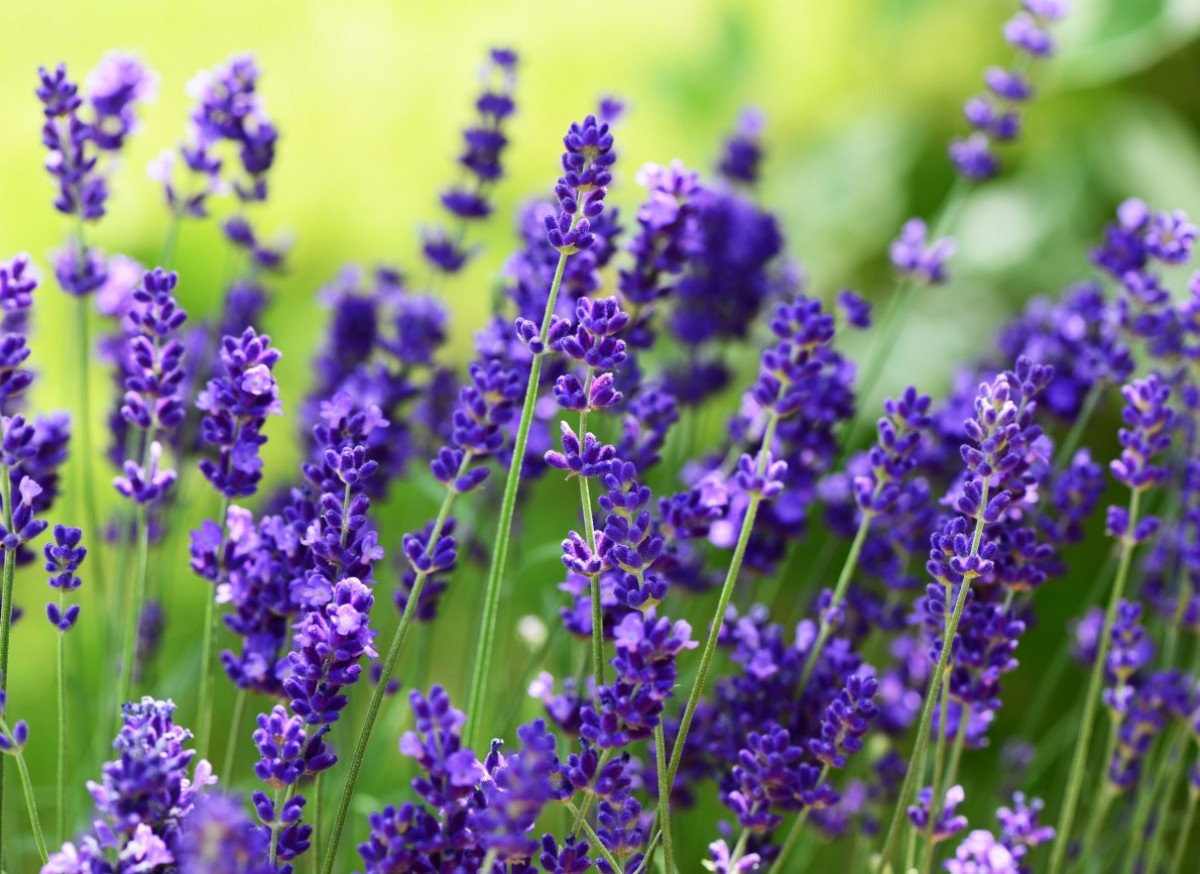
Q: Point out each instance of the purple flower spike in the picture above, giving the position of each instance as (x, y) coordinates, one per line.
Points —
(237, 404)
(591, 458)
(587, 164)
(949, 822)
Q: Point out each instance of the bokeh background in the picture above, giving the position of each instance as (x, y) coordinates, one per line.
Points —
(860, 98)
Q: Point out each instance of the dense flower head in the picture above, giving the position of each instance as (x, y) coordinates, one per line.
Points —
(742, 154)
(587, 164)
(846, 720)
(451, 771)
(114, 89)
(63, 558)
(153, 399)
(286, 753)
(917, 259)
(148, 785)
(1149, 420)
(788, 368)
(236, 404)
(895, 452)
(73, 158)
(772, 777)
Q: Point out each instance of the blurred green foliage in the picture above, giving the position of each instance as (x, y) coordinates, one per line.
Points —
(860, 96)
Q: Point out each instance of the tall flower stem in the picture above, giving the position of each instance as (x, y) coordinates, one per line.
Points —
(939, 756)
(235, 731)
(204, 703)
(10, 569)
(134, 611)
(839, 592)
(910, 776)
(1148, 795)
(1185, 832)
(1158, 842)
(664, 796)
(83, 429)
(735, 567)
(1079, 762)
(385, 677)
(1071, 441)
(508, 503)
(27, 785)
(589, 529)
(61, 682)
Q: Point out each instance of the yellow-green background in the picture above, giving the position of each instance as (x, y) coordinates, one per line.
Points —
(860, 97)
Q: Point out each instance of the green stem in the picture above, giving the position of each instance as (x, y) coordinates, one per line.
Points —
(27, 786)
(231, 742)
(204, 703)
(910, 776)
(491, 598)
(61, 781)
(10, 569)
(790, 842)
(1167, 765)
(316, 835)
(385, 677)
(1158, 842)
(664, 796)
(839, 592)
(1071, 441)
(489, 860)
(710, 645)
(1079, 762)
(133, 615)
(83, 430)
(960, 738)
(275, 824)
(594, 839)
(939, 755)
(1087, 849)
(1185, 832)
(739, 849)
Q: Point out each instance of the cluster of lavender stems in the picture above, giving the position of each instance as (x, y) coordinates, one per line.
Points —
(795, 730)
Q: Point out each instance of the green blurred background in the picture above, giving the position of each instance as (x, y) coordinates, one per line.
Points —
(860, 98)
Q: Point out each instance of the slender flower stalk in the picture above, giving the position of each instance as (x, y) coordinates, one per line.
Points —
(6, 615)
(12, 743)
(581, 191)
(664, 797)
(785, 851)
(1150, 421)
(1185, 832)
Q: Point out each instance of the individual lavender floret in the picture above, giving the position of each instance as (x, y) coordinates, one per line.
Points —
(581, 189)
(237, 403)
(484, 143)
(949, 821)
(918, 260)
(588, 458)
(25, 525)
(743, 151)
(63, 558)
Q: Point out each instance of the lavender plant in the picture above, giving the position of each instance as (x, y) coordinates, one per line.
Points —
(697, 675)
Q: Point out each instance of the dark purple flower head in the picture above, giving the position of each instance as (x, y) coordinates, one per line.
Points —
(743, 150)
(570, 858)
(153, 384)
(589, 457)
(237, 403)
(1148, 434)
(286, 753)
(72, 158)
(846, 721)
(587, 164)
(918, 260)
(451, 771)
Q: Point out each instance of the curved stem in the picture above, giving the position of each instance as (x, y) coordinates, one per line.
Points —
(235, 731)
(10, 569)
(910, 775)
(1185, 832)
(710, 645)
(491, 597)
(1066, 819)
(385, 677)
(664, 796)
(1087, 848)
(204, 703)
